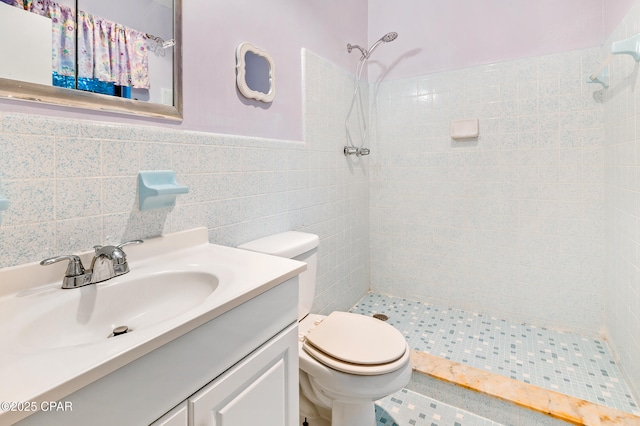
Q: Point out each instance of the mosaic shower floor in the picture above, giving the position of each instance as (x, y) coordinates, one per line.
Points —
(563, 362)
(407, 408)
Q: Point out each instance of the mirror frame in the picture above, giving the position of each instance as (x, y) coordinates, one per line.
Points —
(32, 92)
(241, 73)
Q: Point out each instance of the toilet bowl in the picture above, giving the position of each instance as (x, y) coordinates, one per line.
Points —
(347, 361)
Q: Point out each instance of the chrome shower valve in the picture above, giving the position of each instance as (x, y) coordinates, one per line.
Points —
(350, 150)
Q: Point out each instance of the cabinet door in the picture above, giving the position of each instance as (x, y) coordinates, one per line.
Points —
(262, 389)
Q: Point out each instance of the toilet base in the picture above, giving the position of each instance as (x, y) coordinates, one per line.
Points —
(319, 410)
(353, 414)
(318, 421)
(345, 415)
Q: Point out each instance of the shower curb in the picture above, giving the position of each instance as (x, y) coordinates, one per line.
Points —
(503, 399)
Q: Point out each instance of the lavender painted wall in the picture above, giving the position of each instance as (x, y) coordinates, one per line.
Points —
(212, 34)
(613, 12)
(213, 30)
(433, 36)
(440, 35)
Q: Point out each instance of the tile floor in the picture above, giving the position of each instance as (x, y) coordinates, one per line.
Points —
(563, 362)
(407, 408)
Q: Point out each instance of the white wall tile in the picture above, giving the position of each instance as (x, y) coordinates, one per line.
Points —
(26, 156)
(73, 184)
(77, 157)
(77, 198)
(32, 201)
(120, 158)
(516, 196)
(621, 189)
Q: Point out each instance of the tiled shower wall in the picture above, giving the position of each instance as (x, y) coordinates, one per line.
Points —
(509, 223)
(328, 92)
(72, 185)
(622, 171)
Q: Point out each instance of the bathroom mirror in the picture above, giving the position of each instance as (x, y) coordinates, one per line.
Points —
(57, 65)
(255, 73)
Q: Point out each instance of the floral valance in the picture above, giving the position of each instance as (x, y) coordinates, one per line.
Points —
(107, 51)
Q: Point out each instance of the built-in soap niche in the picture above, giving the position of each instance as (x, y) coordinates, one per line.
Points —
(255, 73)
(467, 129)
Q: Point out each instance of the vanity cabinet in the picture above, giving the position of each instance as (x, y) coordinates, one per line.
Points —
(239, 369)
(260, 389)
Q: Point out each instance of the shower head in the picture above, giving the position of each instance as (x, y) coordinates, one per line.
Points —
(389, 37)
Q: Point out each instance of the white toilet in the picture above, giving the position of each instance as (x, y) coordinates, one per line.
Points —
(347, 361)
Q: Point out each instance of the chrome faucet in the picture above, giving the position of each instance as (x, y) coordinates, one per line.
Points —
(108, 262)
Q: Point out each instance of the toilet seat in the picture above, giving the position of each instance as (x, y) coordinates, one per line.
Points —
(356, 344)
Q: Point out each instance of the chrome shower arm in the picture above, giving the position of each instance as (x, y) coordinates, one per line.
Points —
(350, 47)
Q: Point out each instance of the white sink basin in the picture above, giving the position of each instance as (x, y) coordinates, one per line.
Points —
(89, 314)
(55, 341)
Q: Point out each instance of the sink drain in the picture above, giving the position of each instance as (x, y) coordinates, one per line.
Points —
(381, 317)
(123, 329)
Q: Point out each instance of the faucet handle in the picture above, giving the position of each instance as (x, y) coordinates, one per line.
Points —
(126, 243)
(114, 253)
(74, 268)
(129, 243)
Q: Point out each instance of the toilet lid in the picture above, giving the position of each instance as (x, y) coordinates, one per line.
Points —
(359, 369)
(355, 339)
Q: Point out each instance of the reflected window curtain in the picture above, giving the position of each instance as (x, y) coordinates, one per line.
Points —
(16, 3)
(137, 58)
(63, 31)
(112, 52)
(108, 51)
(64, 43)
(86, 44)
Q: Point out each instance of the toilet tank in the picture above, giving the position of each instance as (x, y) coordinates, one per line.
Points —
(295, 245)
